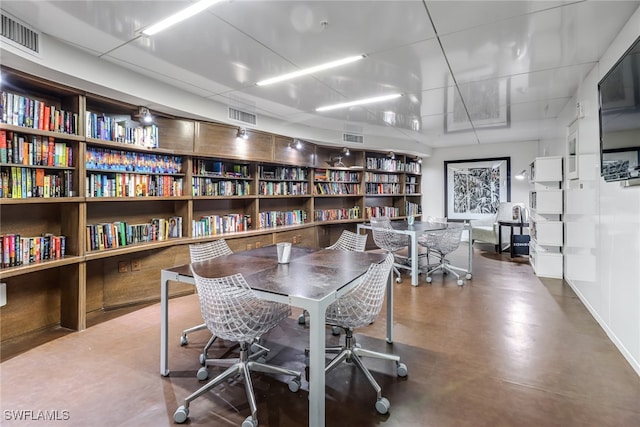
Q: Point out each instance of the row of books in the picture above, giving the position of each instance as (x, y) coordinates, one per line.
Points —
(296, 174)
(412, 208)
(377, 177)
(120, 233)
(335, 188)
(33, 150)
(336, 214)
(97, 158)
(378, 211)
(283, 188)
(373, 188)
(132, 185)
(220, 169)
(385, 164)
(411, 189)
(18, 250)
(336, 175)
(277, 218)
(413, 167)
(121, 129)
(22, 183)
(21, 110)
(212, 225)
(210, 187)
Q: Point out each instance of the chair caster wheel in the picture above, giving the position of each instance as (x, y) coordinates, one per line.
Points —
(202, 373)
(398, 280)
(250, 422)
(294, 385)
(402, 370)
(203, 359)
(183, 340)
(335, 331)
(181, 414)
(460, 282)
(261, 359)
(383, 405)
(429, 279)
(468, 276)
(301, 319)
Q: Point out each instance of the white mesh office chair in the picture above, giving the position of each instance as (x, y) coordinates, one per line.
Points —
(441, 243)
(202, 252)
(232, 311)
(348, 241)
(387, 239)
(359, 307)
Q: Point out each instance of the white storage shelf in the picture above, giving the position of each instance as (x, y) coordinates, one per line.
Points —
(546, 225)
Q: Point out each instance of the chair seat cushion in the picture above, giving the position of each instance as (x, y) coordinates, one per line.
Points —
(485, 233)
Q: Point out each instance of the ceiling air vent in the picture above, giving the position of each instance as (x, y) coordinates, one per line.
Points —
(353, 137)
(242, 116)
(19, 35)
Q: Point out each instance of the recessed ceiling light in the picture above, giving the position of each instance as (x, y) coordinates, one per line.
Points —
(360, 102)
(311, 70)
(180, 16)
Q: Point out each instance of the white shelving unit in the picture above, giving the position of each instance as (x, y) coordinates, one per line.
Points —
(546, 227)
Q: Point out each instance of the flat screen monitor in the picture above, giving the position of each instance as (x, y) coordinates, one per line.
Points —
(619, 93)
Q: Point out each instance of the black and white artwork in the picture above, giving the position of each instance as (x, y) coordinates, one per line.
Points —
(475, 188)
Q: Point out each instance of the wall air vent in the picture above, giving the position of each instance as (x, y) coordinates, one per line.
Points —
(353, 137)
(242, 116)
(19, 35)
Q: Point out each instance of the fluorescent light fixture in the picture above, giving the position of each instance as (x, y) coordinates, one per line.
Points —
(360, 102)
(178, 17)
(310, 70)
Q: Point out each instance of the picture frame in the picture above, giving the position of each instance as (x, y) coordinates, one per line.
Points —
(474, 188)
(485, 102)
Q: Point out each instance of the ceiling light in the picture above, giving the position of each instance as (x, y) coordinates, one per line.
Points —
(310, 70)
(178, 17)
(242, 134)
(360, 102)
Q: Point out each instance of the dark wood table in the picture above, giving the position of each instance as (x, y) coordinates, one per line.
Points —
(312, 280)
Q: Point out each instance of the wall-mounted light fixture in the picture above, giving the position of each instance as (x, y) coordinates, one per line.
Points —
(242, 134)
(391, 155)
(522, 175)
(298, 144)
(418, 160)
(346, 151)
(145, 115)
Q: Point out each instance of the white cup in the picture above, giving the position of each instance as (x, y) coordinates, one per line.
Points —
(284, 252)
(410, 220)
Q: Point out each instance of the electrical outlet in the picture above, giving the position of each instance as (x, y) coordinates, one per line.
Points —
(123, 266)
(135, 265)
(249, 246)
(295, 240)
(258, 244)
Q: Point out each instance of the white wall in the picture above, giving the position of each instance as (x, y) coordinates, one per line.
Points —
(602, 220)
(521, 153)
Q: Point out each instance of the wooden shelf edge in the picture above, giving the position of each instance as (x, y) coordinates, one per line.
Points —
(39, 266)
(130, 249)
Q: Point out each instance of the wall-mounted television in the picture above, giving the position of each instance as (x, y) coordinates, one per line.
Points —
(619, 94)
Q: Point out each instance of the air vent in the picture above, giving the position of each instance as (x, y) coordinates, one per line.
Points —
(242, 116)
(20, 35)
(352, 137)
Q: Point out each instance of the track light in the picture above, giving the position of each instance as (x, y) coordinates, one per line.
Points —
(310, 70)
(145, 115)
(298, 144)
(346, 151)
(242, 133)
(391, 155)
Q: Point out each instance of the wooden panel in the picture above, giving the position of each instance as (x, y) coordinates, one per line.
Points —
(286, 152)
(245, 243)
(33, 303)
(143, 285)
(73, 297)
(94, 285)
(221, 140)
(176, 134)
(305, 237)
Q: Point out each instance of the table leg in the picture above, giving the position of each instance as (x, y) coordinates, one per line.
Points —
(511, 251)
(164, 324)
(413, 249)
(499, 238)
(390, 308)
(316, 366)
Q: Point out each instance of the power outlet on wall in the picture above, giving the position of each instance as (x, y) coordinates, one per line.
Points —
(135, 265)
(123, 266)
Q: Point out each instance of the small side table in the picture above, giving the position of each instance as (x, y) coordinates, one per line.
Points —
(511, 225)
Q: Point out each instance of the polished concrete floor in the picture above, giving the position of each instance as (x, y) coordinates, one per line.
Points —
(506, 349)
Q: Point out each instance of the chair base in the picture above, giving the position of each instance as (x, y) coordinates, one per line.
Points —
(241, 367)
(445, 266)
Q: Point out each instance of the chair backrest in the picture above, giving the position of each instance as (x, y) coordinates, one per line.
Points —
(204, 251)
(232, 311)
(350, 241)
(506, 211)
(384, 236)
(361, 305)
(443, 241)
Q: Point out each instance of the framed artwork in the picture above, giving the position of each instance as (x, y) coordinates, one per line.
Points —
(473, 189)
(572, 151)
(485, 102)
